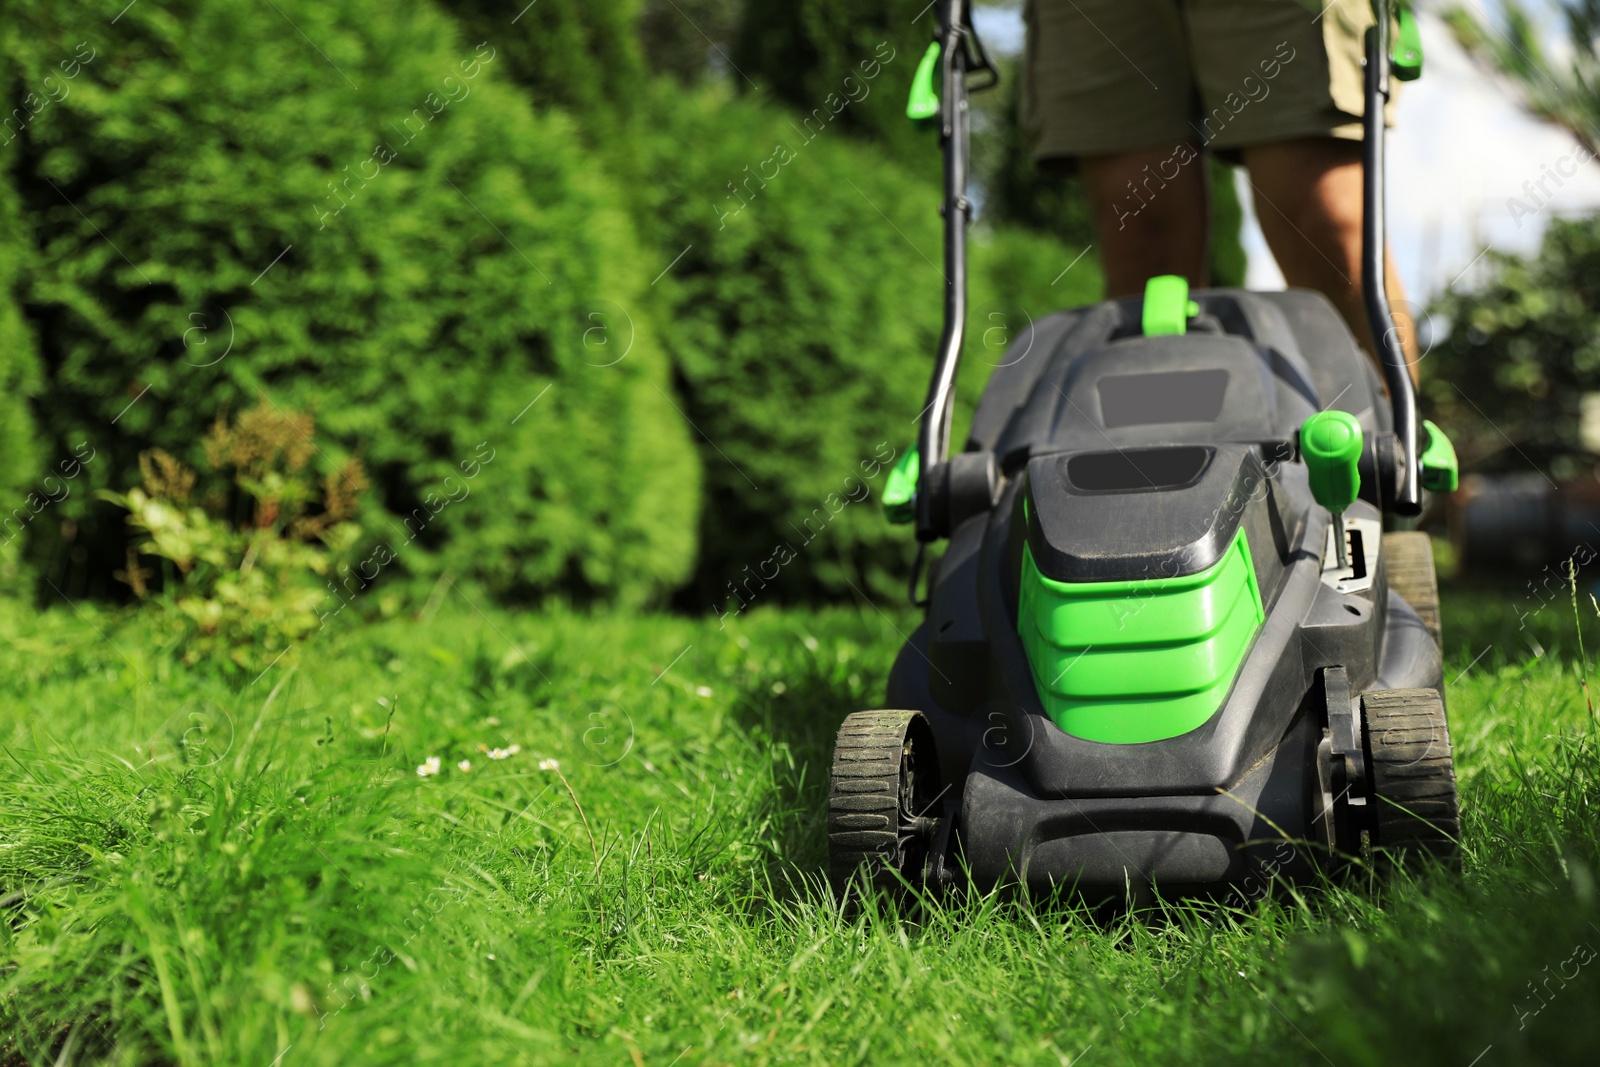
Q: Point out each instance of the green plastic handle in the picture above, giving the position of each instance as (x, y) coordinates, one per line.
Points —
(1405, 62)
(900, 489)
(923, 104)
(1441, 473)
(1167, 307)
(1330, 443)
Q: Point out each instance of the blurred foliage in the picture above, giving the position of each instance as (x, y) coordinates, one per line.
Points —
(377, 229)
(1228, 260)
(583, 57)
(690, 39)
(19, 380)
(1566, 91)
(252, 545)
(802, 321)
(811, 54)
(619, 246)
(1520, 352)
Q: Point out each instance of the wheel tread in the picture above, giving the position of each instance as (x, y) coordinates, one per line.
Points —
(1408, 561)
(864, 797)
(1417, 810)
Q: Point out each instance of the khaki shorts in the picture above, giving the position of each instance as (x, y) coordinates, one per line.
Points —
(1103, 77)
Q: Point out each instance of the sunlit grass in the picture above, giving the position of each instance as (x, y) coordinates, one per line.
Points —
(200, 871)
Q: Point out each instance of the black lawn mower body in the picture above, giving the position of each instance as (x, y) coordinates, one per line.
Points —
(1145, 662)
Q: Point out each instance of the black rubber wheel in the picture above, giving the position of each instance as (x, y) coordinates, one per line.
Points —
(881, 800)
(1408, 557)
(1415, 811)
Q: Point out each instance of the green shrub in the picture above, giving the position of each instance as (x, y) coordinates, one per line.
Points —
(580, 55)
(691, 40)
(343, 207)
(22, 495)
(808, 51)
(261, 551)
(802, 322)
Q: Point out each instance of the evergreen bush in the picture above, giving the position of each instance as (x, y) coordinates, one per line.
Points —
(802, 322)
(343, 208)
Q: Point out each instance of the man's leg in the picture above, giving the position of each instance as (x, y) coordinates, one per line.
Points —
(1308, 198)
(1148, 224)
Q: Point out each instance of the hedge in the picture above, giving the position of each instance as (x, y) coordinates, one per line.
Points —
(802, 322)
(356, 199)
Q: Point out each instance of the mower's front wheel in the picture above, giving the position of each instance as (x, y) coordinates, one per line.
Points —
(882, 800)
(1416, 811)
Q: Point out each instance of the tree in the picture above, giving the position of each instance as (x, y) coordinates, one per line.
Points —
(1568, 96)
(1521, 352)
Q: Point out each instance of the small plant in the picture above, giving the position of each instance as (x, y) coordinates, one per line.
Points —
(247, 545)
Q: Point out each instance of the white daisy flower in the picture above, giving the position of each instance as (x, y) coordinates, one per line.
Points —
(464, 765)
(429, 767)
(549, 765)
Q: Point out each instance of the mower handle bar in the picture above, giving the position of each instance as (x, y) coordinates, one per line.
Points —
(933, 443)
(961, 51)
(1374, 247)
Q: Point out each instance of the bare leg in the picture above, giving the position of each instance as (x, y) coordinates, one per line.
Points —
(1308, 198)
(1149, 220)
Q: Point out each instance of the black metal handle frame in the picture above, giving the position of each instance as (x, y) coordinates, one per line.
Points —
(1374, 274)
(962, 53)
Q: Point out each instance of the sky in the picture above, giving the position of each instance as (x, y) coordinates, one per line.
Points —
(1461, 149)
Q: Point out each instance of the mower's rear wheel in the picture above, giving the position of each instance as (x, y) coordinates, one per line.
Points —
(882, 799)
(1408, 559)
(1416, 813)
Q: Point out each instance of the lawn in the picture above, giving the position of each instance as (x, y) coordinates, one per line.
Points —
(616, 861)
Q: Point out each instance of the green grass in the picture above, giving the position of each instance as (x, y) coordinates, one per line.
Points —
(199, 870)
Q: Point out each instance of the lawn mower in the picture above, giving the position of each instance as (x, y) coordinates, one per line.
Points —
(1175, 640)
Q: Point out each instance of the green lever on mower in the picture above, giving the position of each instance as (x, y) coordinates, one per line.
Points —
(1440, 471)
(1167, 307)
(1406, 60)
(900, 489)
(923, 105)
(1330, 444)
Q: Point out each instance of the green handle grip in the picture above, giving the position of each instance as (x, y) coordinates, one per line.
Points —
(1441, 473)
(1330, 443)
(900, 489)
(1406, 59)
(1167, 307)
(922, 107)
